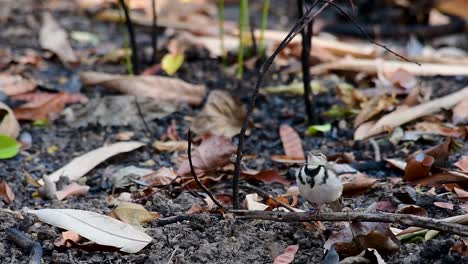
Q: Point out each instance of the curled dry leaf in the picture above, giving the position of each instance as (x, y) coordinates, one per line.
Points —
(163, 176)
(66, 237)
(73, 189)
(15, 84)
(288, 255)
(81, 165)
(162, 89)
(292, 143)
(251, 203)
(212, 154)
(357, 183)
(442, 151)
(411, 209)
(101, 229)
(6, 192)
(170, 146)
(418, 166)
(223, 115)
(9, 126)
(373, 107)
(54, 38)
(134, 214)
(462, 164)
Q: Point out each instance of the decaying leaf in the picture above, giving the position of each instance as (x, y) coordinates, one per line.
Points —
(161, 177)
(373, 107)
(357, 183)
(134, 214)
(9, 126)
(43, 110)
(462, 164)
(6, 192)
(251, 203)
(288, 255)
(292, 143)
(223, 114)
(411, 209)
(461, 247)
(81, 165)
(73, 189)
(461, 194)
(128, 175)
(170, 146)
(287, 159)
(440, 129)
(460, 112)
(39, 98)
(54, 38)
(444, 205)
(101, 229)
(15, 84)
(213, 153)
(63, 240)
(162, 89)
(418, 166)
(265, 176)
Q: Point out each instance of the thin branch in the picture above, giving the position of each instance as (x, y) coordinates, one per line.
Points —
(131, 33)
(25, 242)
(265, 195)
(154, 32)
(402, 219)
(195, 177)
(142, 117)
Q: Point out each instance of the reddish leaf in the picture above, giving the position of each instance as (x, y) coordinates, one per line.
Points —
(461, 247)
(39, 112)
(436, 128)
(287, 159)
(461, 194)
(462, 164)
(357, 183)
(6, 192)
(266, 176)
(288, 255)
(292, 143)
(37, 99)
(418, 166)
(439, 179)
(66, 237)
(411, 209)
(163, 176)
(15, 84)
(444, 205)
(73, 189)
(212, 154)
(442, 151)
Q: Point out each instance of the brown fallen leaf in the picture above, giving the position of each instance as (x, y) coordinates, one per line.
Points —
(170, 146)
(9, 126)
(157, 87)
(442, 178)
(461, 194)
(373, 107)
(411, 209)
(404, 115)
(163, 176)
(442, 151)
(223, 115)
(66, 237)
(460, 112)
(43, 111)
(444, 205)
(418, 166)
(15, 84)
(288, 255)
(448, 131)
(287, 159)
(461, 247)
(462, 164)
(54, 38)
(357, 183)
(292, 143)
(212, 154)
(6, 192)
(132, 213)
(73, 189)
(265, 176)
(402, 79)
(37, 99)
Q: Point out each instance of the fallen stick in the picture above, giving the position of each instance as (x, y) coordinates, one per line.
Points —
(25, 242)
(402, 219)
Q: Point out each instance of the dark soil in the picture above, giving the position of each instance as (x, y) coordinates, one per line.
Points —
(207, 239)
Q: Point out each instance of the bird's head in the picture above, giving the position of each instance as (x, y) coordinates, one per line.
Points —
(316, 159)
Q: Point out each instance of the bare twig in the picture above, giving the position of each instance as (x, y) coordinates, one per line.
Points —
(184, 217)
(195, 177)
(131, 34)
(25, 242)
(142, 117)
(375, 146)
(265, 195)
(402, 219)
(154, 32)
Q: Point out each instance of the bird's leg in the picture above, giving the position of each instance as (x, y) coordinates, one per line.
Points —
(318, 208)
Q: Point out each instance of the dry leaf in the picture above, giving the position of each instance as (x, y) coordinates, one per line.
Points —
(462, 164)
(373, 107)
(6, 192)
(265, 176)
(222, 115)
(435, 128)
(81, 165)
(42, 111)
(73, 189)
(39, 98)
(63, 240)
(438, 179)
(461, 194)
(407, 114)
(101, 229)
(134, 214)
(288, 255)
(157, 87)
(54, 38)
(287, 159)
(444, 205)
(402, 79)
(411, 209)
(213, 153)
(460, 112)
(418, 166)
(9, 126)
(292, 143)
(251, 203)
(161, 177)
(15, 84)
(170, 146)
(357, 183)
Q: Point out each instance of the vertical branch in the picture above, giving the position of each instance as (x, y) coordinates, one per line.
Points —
(131, 33)
(154, 32)
(305, 60)
(194, 174)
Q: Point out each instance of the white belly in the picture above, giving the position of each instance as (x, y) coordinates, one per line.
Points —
(321, 193)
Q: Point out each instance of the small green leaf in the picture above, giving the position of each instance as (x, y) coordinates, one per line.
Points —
(171, 63)
(338, 111)
(41, 123)
(312, 130)
(8, 147)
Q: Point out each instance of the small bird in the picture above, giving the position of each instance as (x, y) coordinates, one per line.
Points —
(318, 182)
